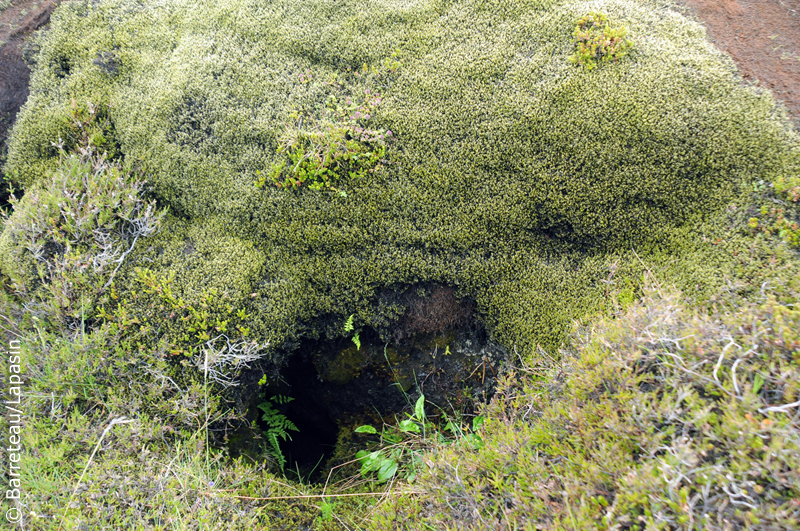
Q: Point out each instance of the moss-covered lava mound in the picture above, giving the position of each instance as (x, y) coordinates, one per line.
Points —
(245, 220)
(453, 144)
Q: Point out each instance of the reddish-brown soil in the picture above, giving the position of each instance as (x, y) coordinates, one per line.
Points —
(16, 23)
(762, 37)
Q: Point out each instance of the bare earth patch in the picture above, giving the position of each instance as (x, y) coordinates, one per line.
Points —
(762, 37)
(16, 23)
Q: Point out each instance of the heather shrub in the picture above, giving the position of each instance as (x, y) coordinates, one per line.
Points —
(65, 241)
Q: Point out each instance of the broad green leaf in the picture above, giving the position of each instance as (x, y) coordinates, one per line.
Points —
(477, 422)
(387, 470)
(371, 462)
(366, 429)
(408, 426)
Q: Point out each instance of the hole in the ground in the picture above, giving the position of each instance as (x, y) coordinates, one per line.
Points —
(315, 439)
(438, 347)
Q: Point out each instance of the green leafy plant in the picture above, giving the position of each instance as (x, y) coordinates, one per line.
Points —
(89, 126)
(597, 42)
(402, 444)
(199, 323)
(779, 213)
(326, 508)
(206, 334)
(779, 217)
(278, 426)
(385, 461)
(471, 437)
(319, 152)
(774, 220)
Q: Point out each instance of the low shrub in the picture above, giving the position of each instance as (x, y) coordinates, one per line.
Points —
(598, 42)
(72, 235)
(779, 214)
(329, 148)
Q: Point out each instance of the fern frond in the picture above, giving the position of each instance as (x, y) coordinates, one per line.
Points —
(278, 426)
(281, 399)
(275, 451)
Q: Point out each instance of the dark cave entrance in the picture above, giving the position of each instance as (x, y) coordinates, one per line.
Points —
(313, 443)
(334, 386)
(337, 385)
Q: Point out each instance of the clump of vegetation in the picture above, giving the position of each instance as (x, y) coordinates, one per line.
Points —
(72, 235)
(598, 42)
(779, 214)
(402, 445)
(348, 327)
(776, 220)
(193, 326)
(89, 125)
(384, 461)
(663, 418)
(320, 150)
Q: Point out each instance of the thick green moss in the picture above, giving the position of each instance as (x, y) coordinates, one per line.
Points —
(205, 255)
(518, 177)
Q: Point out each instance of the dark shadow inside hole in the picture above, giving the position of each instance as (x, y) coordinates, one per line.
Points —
(314, 442)
(438, 349)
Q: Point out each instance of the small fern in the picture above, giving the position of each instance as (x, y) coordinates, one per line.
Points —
(348, 327)
(277, 426)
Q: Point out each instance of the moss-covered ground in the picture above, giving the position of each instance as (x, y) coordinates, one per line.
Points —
(153, 269)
